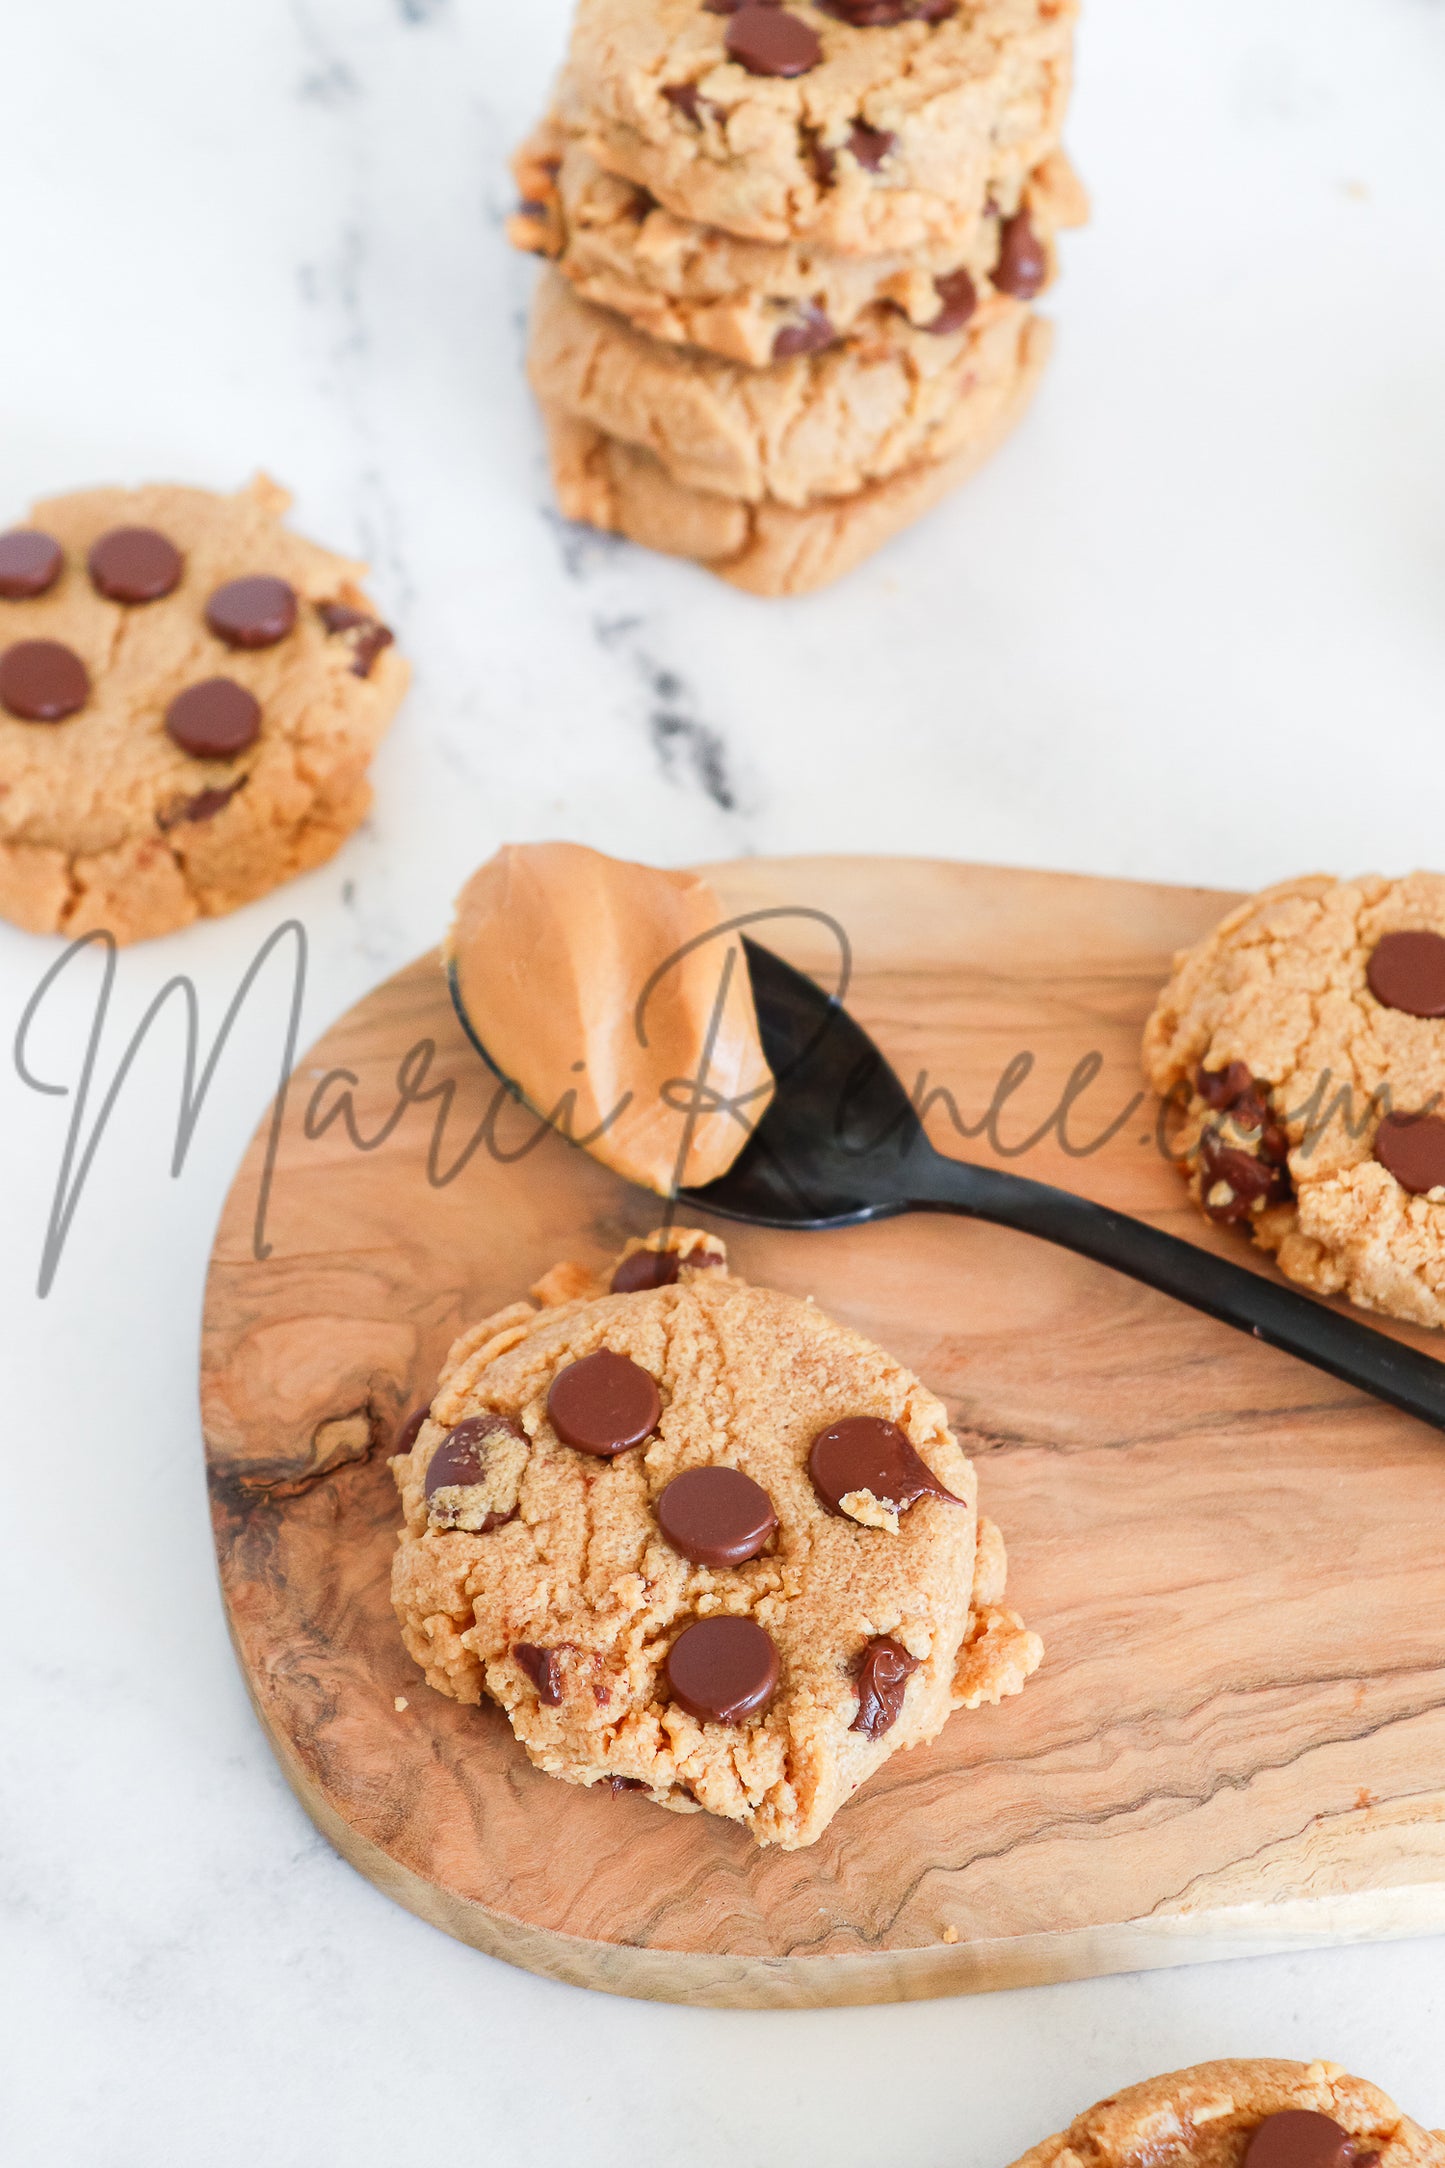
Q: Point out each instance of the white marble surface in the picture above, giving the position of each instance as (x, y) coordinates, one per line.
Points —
(1189, 626)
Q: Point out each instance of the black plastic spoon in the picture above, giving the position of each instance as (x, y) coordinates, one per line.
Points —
(841, 1143)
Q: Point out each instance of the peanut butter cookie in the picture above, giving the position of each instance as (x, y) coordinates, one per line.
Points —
(1249, 2114)
(698, 1540)
(1304, 1042)
(190, 696)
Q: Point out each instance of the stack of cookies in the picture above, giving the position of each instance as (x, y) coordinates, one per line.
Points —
(794, 250)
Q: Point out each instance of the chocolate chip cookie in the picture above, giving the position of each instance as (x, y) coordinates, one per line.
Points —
(1245, 2114)
(698, 1540)
(773, 548)
(755, 301)
(866, 125)
(1304, 1045)
(190, 696)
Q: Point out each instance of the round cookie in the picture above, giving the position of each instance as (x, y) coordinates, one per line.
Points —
(822, 425)
(1219, 2115)
(1304, 1044)
(754, 301)
(234, 683)
(764, 1675)
(890, 140)
(770, 548)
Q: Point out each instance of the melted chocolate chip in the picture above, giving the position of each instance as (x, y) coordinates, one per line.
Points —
(809, 334)
(604, 1404)
(865, 1453)
(1023, 262)
(1220, 1088)
(870, 146)
(770, 41)
(1412, 1148)
(42, 682)
(884, 1669)
(1300, 2138)
(409, 1429)
(618, 1785)
(1407, 972)
(716, 1516)
(371, 635)
(204, 806)
(544, 1668)
(822, 163)
(30, 564)
(1248, 1180)
(646, 1268)
(959, 298)
(214, 720)
(688, 99)
(135, 564)
(254, 612)
(461, 1460)
(723, 1670)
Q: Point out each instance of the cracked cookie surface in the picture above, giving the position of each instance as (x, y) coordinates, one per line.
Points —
(1206, 2117)
(1292, 1074)
(153, 803)
(568, 1610)
(815, 427)
(948, 109)
(694, 285)
(776, 549)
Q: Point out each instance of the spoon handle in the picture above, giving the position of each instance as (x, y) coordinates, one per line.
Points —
(1266, 1308)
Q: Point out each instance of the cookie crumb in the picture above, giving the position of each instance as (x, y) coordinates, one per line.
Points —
(950, 1934)
(401, 1703)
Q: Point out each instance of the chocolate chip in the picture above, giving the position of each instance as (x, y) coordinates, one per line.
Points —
(604, 1404)
(865, 1453)
(770, 41)
(371, 635)
(254, 612)
(730, 7)
(409, 1430)
(135, 564)
(618, 1785)
(645, 1268)
(214, 720)
(959, 298)
(30, 564)
(809, 334)
(1219, 1088)
(42, 682)
(1023, 262)
(716, 1516)
(1407, 972)
(687, 98)
(204, 806)
(820, 161)
(870, 146)
(1247, 1179)
(884, 1669)
(723, 1670)
(1412, 1148)
(460, 1461)
(1300, 2138)
(544, 1668)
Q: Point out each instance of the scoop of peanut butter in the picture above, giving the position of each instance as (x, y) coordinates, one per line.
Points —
(605, 992)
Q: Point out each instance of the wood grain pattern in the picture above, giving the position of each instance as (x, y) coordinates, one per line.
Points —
(1237, 1742)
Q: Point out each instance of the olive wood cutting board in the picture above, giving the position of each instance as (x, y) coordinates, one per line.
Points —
(1237, 1741)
